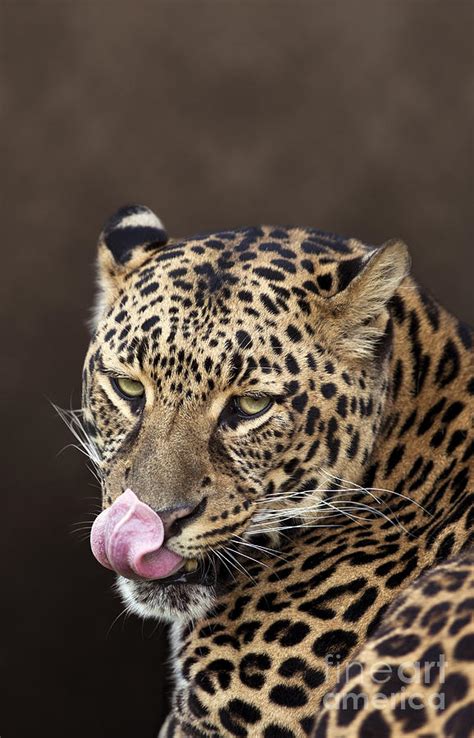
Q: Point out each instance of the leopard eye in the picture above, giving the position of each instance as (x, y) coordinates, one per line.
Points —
(131, 389)
(253, 405)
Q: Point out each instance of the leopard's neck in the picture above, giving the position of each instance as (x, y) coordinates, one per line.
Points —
(426, 436)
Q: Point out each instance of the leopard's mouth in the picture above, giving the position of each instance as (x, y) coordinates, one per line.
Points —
(188, 593)
(129, 538)
(203, 571)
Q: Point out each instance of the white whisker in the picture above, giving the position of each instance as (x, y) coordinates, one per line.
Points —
(86, 446)
(358, 488)
(264, 549)
(231, 558)
(240, 553)
(224, 562)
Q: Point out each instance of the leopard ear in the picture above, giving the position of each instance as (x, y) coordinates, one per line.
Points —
(124, 243)
(359, 311)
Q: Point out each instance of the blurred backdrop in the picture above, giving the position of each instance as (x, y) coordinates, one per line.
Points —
(353, 117)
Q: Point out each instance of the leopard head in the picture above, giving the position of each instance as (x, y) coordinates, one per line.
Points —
(230, 378)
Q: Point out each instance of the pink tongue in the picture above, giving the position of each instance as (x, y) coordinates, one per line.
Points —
(128, 538)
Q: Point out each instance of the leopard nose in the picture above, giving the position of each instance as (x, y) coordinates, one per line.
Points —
(175, 519)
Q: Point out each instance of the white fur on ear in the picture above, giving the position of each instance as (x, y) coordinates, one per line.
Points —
(139, 215)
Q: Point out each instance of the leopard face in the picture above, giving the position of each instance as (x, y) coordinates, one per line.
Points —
(230, 378)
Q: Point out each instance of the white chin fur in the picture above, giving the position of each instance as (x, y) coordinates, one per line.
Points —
(149, 600)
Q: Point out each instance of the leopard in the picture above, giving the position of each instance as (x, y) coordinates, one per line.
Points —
(281, 421)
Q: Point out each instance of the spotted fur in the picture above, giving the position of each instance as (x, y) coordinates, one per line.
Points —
(324, 507)
(415, 676)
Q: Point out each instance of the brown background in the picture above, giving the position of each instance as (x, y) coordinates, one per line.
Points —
(350, 116)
